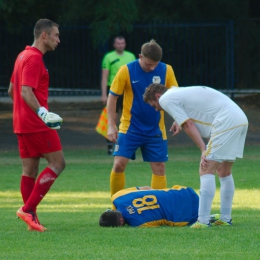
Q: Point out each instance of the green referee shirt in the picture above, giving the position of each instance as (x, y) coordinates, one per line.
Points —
(112, 62)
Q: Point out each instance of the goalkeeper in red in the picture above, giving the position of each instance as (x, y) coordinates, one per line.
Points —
(34, 126)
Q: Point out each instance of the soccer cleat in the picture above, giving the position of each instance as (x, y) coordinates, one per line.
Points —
(214, 217)
(31, 220)
(37, 221)
(200, 225)
(220, 222)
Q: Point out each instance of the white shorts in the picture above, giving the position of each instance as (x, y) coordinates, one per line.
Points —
(227, 145)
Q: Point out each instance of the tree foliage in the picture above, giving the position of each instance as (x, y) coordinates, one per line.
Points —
(107, 18)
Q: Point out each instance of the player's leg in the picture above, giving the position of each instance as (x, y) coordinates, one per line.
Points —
(233, 148)
(46, 144)
(30, 171)
(207, 191)
(117, 175)
(124, 150)
(30, 168)
(155, 151)
(45, 180)
(227, 190)
(158, 175)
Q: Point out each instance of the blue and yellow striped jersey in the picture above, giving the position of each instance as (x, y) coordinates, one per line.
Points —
(177, 206)
(138, 116)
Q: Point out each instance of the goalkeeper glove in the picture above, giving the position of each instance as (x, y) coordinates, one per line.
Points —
(52, 120)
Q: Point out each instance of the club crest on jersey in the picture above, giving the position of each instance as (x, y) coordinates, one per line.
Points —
(116, 148)
(130, 209)
(156, 79)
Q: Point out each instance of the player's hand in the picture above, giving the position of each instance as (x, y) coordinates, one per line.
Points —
(112, 133)
(52, 120)
(175, 128)
(204, 163)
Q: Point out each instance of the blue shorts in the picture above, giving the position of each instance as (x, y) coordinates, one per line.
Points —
(153, 148)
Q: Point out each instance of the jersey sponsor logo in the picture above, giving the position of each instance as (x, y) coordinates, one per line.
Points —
(135, 81)
(130, 209)
(47, 177)
(114, 61)
(116, 147)
(156, 79)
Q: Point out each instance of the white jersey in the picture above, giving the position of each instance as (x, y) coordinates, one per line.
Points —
(212, 111)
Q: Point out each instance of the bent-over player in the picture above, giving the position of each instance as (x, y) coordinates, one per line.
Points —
(204, 112)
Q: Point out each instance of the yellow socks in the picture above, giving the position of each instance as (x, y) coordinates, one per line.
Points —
(158, 182)
(117, 182)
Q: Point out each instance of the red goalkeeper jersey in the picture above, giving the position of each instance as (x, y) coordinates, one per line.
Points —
(29, 70)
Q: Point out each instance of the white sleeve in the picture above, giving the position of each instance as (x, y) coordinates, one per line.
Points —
(174, 108)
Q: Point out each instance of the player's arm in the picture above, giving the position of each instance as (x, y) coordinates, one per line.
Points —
(192, 131)
(175, 128)
(10, 90)
(52, 120)
(112, 131)
(170, 78)
(116, 89)
(29, 98)
(104, 80)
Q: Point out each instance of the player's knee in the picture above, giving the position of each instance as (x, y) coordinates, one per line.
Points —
(223, 172)
(158, 168)
(58, 166)
(118, 167)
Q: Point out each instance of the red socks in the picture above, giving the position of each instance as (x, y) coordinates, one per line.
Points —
(41, 187)
(26, 187)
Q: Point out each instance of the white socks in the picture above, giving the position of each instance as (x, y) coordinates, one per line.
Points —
(227, 190)
(207, 192)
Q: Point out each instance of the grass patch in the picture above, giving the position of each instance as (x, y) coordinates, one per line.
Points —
(72, 208)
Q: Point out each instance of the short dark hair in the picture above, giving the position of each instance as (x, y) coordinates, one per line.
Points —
(43, 25)
(152, 51)
(151, 90)
(110, 219)
(119, 37)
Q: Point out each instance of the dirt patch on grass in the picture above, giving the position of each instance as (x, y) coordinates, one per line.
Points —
(80, 119)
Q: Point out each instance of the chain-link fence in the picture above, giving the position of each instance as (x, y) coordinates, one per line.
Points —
(222, 55)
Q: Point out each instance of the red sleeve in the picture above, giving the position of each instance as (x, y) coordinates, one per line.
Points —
(32, 71)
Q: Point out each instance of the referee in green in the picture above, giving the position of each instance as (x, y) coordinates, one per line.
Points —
(111, 63)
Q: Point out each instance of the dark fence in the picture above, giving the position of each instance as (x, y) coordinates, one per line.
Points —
(200, 54)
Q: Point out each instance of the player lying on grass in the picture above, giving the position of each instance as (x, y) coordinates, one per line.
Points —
(146, 207)
(206, 113)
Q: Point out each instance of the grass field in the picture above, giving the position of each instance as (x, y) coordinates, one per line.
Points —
(72, 208)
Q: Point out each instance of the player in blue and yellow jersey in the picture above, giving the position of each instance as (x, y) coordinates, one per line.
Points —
(145, 207)
(140, 126)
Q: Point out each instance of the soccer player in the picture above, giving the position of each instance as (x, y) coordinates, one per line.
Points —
(33, 124)
(145, 207)
(140, 126)
(207, 113)
(111, 63)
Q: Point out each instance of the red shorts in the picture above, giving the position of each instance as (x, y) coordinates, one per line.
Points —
(36, 144)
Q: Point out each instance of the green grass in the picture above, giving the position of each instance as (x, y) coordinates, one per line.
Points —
(72, 208)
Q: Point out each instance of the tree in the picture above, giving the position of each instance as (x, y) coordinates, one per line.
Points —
(106, 18)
